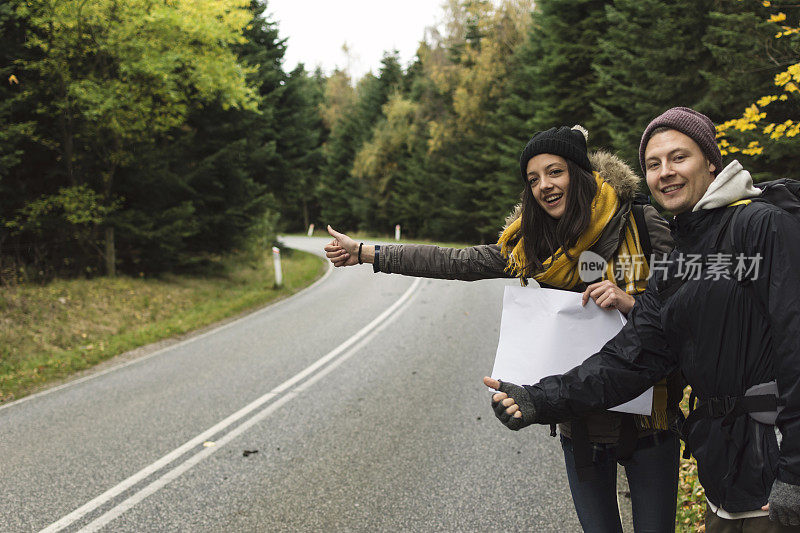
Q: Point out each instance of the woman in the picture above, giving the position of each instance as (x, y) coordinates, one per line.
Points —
(572, 203)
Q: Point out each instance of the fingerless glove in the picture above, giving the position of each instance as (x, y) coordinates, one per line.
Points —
(522, 399)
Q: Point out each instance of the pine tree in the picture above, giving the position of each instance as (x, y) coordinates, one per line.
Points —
(342, 196)
(650, 58)
(554, 66)
(477, 184)
(12, 38)
(300, 148)
(218, 174)
(337, 190)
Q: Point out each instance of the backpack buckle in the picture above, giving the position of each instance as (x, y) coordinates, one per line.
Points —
(719, 407)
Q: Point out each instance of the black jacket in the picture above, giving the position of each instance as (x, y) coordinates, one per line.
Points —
(725, 336)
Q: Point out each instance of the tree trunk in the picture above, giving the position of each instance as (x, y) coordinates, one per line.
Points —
(111, 255)
(306, 222)
(67, 144)
(108, 180)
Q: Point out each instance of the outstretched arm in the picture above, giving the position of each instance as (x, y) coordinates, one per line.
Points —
(422, 260)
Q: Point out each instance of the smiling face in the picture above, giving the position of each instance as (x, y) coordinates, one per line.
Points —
(678, 173)
(548, 178)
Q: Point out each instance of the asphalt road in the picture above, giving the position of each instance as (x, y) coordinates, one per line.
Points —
(361, 398)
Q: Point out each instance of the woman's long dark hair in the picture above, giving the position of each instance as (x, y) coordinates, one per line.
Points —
(544, 235)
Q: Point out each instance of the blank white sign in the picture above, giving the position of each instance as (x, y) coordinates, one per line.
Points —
(547, 331)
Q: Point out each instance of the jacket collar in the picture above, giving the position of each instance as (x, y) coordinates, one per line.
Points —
(690, 221)
(734, 183)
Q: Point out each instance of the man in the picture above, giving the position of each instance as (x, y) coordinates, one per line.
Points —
(730, 331)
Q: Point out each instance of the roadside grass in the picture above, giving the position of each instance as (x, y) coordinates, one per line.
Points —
(48, 332)
(691, 496)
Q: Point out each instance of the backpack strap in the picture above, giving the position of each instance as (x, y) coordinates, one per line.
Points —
(732, 222)
(628, 438)
(637, 210)
(728, 407)
(687, 452)
(730, 248)
(724, 244)
(582, 450)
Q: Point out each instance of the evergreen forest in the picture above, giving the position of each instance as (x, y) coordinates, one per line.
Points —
(144, 136)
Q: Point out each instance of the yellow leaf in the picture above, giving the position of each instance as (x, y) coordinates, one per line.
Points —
(780, 17)
(782, 79)
(12, 80)
(766, 100)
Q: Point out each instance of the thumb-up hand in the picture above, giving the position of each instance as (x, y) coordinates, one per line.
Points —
(512, 404)
(342, 250)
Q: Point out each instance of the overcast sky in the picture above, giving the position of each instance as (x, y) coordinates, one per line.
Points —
(317, 29)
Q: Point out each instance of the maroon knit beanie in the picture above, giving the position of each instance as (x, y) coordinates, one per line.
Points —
(691, 123)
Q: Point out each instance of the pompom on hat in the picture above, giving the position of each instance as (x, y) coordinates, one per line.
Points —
(695, 125)
(569, 143)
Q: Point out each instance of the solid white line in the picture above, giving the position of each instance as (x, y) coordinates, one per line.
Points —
(255, 313)
(159, 483)
(115, 491)
(173, 474)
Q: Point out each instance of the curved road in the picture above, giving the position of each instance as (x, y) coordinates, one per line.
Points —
(355, 405)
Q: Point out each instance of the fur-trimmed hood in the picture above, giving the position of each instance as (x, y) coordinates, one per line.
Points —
(612, 169)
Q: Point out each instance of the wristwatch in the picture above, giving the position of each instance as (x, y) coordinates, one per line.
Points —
(376, 263)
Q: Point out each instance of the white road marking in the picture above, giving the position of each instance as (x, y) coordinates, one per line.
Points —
(346, 349)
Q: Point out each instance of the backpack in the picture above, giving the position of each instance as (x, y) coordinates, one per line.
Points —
(784, 193)
(761, 401)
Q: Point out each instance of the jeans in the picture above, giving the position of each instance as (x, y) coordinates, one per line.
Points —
(652, 475)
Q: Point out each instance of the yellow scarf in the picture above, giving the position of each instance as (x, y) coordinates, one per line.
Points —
(559, 270)
(629, 263)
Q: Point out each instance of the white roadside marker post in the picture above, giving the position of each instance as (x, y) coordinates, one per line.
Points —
(276, 258)
(397, 232)
(310, 229)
